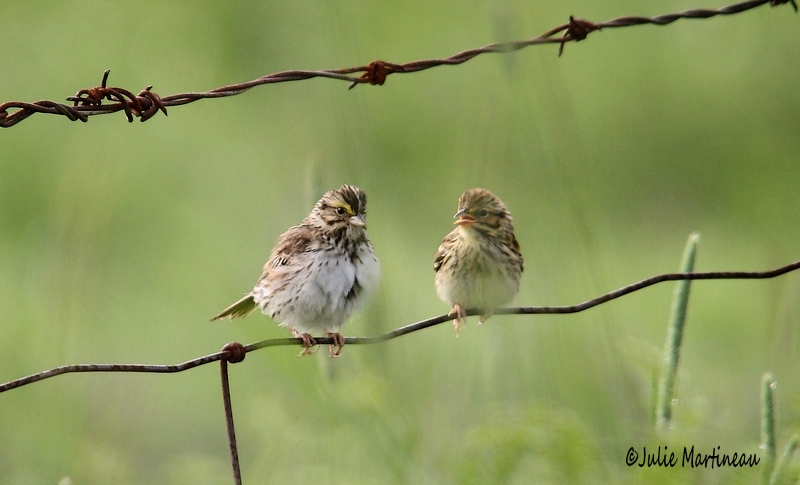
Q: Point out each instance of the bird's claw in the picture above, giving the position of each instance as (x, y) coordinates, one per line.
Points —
(335, 349)
(308, 344)
(460, 314)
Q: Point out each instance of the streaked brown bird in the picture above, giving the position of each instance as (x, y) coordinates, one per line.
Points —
(319, 273)
(478, 265)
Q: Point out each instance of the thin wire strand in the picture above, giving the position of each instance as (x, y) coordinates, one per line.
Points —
(399, 332)
(226, 400)
(146, 104)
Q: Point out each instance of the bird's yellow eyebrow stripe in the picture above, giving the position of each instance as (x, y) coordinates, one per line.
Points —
(346, 207)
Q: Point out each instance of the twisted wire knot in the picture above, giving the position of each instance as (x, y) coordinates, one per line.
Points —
(234, 352)
(143, 105)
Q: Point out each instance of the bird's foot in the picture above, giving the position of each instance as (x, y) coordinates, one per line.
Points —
(335, 348)
(308, 342)
(461, 315)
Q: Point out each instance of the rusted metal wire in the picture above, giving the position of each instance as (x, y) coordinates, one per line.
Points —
(89, 102)
(235, 352)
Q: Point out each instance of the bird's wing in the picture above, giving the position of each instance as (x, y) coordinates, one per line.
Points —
(514, 245)
(292, 243)
(445, 251)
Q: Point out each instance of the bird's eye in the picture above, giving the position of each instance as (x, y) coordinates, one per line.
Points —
(483, 213)
(340, 211)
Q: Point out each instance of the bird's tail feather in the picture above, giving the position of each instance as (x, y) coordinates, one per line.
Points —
(239, 309)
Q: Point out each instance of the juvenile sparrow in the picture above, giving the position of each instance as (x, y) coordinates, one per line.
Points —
(319, 272)
(478, 264)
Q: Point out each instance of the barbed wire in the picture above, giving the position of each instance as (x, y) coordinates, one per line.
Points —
(146, 104)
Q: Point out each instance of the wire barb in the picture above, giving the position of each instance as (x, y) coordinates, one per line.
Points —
(375, 73)
(144, 105)
(576, 30)
(89, 102)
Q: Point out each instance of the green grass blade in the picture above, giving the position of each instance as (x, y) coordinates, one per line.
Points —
(672, 347)
(783, 464)
(768, 424)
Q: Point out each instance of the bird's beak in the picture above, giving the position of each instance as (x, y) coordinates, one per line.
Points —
(464, 219)
(358, 221)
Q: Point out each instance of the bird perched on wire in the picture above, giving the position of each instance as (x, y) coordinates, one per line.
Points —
(319, 273)
(478, 265)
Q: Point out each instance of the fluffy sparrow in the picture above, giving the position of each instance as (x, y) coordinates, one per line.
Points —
(319, 272)
(478, 265)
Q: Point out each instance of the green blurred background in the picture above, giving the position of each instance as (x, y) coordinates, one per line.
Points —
(118, 241)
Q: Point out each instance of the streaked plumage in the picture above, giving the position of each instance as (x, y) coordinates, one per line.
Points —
(319, 273)
(478, 265)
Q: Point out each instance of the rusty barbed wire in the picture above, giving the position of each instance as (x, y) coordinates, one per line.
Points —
(89, 102)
